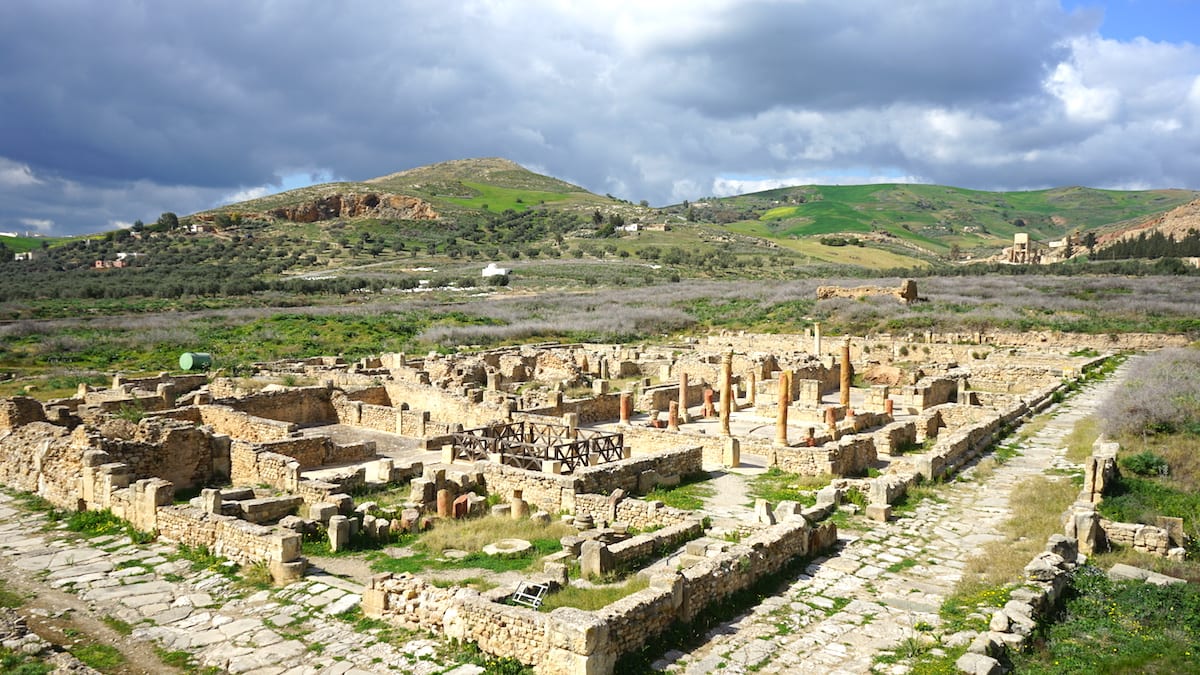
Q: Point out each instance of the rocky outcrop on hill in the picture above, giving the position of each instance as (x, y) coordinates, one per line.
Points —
(351, 205)
(1175, 223)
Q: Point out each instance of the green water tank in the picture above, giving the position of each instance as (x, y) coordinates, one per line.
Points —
(195, 361)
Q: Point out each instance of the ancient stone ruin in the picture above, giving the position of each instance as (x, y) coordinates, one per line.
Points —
(905, 293)
(580, 432)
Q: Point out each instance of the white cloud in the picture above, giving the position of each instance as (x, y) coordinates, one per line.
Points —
(15, 174)
(1081, 102)
(726, 187)
(248, 194)
(42, 224)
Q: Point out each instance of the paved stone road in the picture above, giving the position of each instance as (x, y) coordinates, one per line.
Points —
(289, 631)
(885, 581)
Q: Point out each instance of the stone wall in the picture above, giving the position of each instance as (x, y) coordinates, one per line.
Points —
(895, 436)
(244, 426)
(446, 406)
(236, 539)
(20, 410)
(641, 514)
(43, 458)
(252, 465)
(643, 546)
(297, 405)
(571, 641)
(555, 493)
(186, 455)
(846, 456)
(316, 451)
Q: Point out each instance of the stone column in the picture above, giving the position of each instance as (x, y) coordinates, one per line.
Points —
(781, 431)
(751, 389)
(817, 338)
(846, 372)
(673, 416)
(888, 406)
(683, 395)
(445, 504)
(726, 391)
(626, 407)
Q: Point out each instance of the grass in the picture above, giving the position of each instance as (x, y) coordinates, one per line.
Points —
(471, 536)
(1118, 627)
(8, 597)
(1037, 505)
(104, 658)
(1082, 438)
(12, 663)
(689, 495)
(591, 599)
(776, 486)
(122, 627)
(1139, 500)
(913, 496)
(202, 558)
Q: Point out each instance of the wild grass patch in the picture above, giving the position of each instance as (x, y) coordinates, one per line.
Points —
(591, 599)
(1037, 505)
(1118, 627)
(689, 495)
(775, 485)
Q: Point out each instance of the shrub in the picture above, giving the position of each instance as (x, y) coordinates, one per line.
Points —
(1145, 463)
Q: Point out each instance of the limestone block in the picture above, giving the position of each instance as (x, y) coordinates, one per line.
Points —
(1063, 546)
(503, 510)
(999, 622)
(322, 512)
(1044, 567)
(647, 480)
(423, 491)
(339, 533)
(476, 505)
(595, 560)
(763, 514)
(572, 545)
(345, 503)
(731, 454)
(210, 500)
(557, 571)
(541, 518)
(828, 495)
(978, 664)
(879, 512)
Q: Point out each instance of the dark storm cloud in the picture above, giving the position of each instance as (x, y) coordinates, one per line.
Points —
(833, 54)
(120, 110)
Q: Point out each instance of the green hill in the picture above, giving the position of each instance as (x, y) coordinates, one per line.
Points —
(929, 220)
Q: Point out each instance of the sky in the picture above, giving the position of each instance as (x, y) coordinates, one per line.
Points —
(120, 110)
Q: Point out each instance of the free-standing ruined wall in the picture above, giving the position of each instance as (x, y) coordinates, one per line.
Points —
(303, 405)
(554, 492)
(244, 426)
(569, 641)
